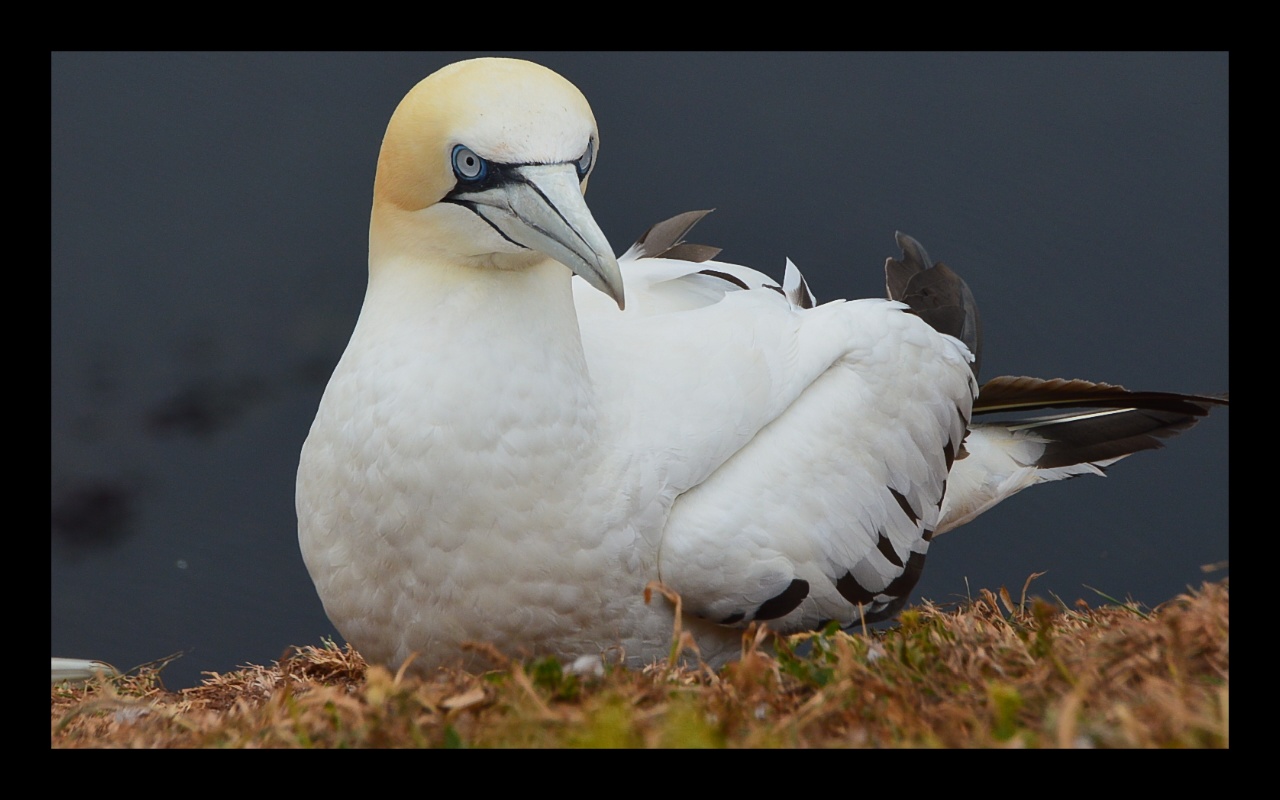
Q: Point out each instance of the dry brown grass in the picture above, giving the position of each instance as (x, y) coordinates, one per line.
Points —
(993, 673)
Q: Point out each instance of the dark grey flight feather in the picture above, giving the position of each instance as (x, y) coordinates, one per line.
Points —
(1120, 422)
(1074, 439)
(666, 240)
(936, 294)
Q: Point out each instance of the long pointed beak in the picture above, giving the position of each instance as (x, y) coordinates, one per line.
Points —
(540, 206)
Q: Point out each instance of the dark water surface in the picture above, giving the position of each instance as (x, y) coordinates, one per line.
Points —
(209, 231)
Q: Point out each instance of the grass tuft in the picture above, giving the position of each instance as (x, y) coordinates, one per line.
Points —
(990, 672)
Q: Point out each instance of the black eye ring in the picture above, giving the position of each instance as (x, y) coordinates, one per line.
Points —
(468, 166)
(587, 159)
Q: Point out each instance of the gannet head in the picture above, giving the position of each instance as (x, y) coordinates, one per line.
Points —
(484, 164)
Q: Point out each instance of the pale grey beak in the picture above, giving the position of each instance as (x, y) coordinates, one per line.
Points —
(540, 206)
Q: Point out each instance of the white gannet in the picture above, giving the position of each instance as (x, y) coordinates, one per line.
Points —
(505, 455)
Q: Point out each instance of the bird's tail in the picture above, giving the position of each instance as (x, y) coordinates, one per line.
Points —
(1107, 423)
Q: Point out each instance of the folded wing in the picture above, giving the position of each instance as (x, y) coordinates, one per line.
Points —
(793, 461)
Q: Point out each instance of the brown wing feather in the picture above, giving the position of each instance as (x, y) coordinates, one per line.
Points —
(1021, 393)
(666, 239)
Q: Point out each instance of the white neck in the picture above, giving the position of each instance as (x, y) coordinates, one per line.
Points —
(499, 381)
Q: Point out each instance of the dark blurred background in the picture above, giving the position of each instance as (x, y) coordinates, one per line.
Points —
(209, 218)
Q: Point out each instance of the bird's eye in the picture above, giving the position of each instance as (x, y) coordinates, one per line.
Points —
(584, 163)
(467, 165)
